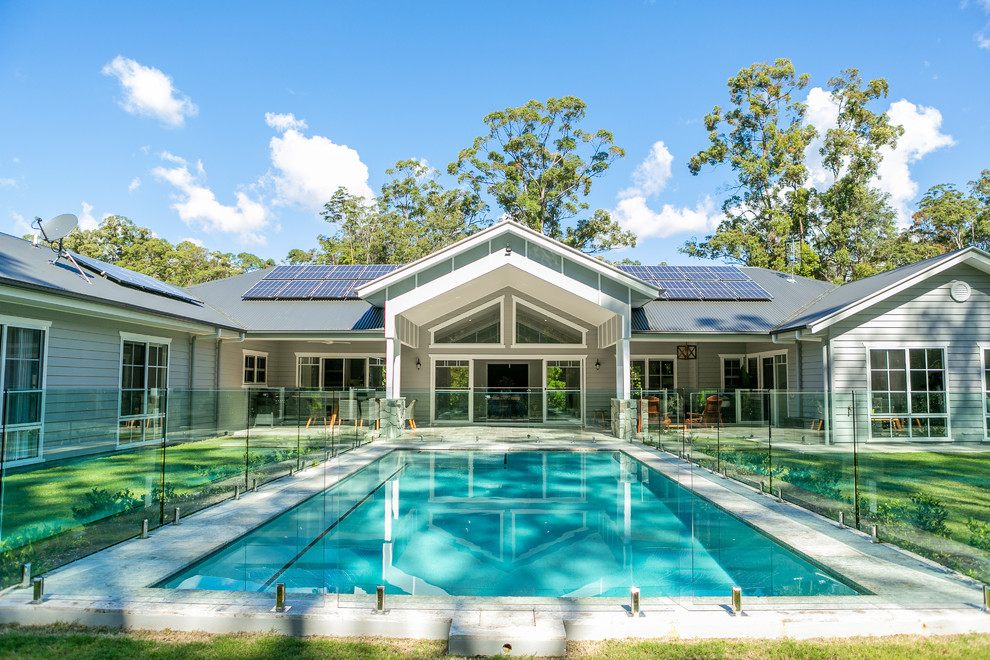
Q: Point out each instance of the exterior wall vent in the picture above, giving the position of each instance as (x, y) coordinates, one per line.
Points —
(960, 291)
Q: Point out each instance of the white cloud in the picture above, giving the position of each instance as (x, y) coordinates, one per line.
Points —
(149, 92)
(632, 213)
(21, 226)
(651, 176)
(8, 183)
(194, 241)
(172, 158)
(311, 169)
(284, 122)
(196, 204)
(982, 41)
(86, 220)
(135, 184)
(922, 135)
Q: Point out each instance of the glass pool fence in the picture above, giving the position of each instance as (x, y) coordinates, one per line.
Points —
(82, 468)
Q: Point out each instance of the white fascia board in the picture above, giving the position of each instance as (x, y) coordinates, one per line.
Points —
(973, 257)
(697, 338)
(484, 236)
(73, 305)
(486, 265)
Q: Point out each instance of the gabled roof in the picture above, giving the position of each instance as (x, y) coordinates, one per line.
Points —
(31, 275)
(285, 316)
(374, 291)
(859, 295)
(744, 316)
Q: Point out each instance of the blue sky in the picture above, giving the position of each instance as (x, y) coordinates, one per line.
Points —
(231, 123)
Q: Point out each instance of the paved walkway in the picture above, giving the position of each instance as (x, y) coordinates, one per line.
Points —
(910, 595)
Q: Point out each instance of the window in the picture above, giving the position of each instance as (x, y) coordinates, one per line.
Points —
(732, 373)
(22, 353)
(255, 368)
(907, 393)
(537, 327)
(563, 389)
(452, 390)
(652, 374)
(339, 373)
(479, 326)
(376, 373)
(143, 388)
(986, 386)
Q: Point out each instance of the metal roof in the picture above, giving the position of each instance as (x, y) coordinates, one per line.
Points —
(743, 316)
(856, 292)
(286, 316)
(26, 266)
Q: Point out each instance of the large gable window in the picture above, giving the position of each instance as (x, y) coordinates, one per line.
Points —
(22, 351)
(479, 326)
(535, 326)
(907, 393)
(143, 383)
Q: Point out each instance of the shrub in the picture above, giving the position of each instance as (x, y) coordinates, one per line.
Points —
(101, 502)
(824, 481)
(979, 534)
(929, 514)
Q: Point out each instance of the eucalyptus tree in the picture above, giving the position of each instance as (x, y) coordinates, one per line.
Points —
(762, 137)
(952, 219)
(538, 165)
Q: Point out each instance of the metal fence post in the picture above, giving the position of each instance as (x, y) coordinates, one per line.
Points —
(855, 461)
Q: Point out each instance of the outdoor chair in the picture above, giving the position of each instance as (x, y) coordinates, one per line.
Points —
(411, 414)
(370, 412)
(711, 415)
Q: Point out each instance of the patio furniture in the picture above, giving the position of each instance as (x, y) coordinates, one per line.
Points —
(410, 414)
(370, 412)
(711, 415)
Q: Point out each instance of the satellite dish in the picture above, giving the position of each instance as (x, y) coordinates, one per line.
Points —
(59, 227)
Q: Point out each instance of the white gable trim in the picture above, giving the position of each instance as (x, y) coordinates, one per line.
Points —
(972, 256)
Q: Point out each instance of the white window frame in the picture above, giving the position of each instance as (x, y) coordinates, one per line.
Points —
(516, 303)
(142, 339)
(646, 359)
(500, 301)
(336, 356)
(28, 324)
(722, 357)
(744, 357)
(256, 354)
(907, 346)
(983, 347)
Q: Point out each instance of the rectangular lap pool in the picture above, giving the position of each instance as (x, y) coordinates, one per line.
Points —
(479, 523)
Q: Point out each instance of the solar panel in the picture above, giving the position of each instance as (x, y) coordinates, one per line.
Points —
(135, 280)
(299, 289)
(265, 289)
(283, 272)
(335, 289)
(642, 272)
(320, 272)
(376, 271)
(729, 273)
(348, 272)
(748, 290)
(665, 273)
(677, 290)
(697, 273)
(714, 291)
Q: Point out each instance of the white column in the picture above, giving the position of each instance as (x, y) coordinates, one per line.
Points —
(393, 355)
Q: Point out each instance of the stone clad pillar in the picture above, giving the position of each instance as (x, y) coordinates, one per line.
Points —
(392, 418)
(624, 418)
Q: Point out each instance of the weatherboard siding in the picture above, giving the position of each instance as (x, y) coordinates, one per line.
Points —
(924, 316)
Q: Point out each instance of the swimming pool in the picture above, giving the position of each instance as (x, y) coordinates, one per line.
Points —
(528, 523)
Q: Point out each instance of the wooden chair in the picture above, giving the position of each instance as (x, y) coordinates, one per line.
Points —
(411, 414)
(711, 415)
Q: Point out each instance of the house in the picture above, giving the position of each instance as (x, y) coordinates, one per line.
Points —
(506, 326)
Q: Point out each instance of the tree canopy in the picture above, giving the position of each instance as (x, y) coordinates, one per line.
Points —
(538, 165)
(951, 219)
(119, 241)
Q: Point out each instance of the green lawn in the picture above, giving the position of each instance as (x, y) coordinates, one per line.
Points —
(69, 642)
(947, 486)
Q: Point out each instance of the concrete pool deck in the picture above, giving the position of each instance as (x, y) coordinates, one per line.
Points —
(910, 595)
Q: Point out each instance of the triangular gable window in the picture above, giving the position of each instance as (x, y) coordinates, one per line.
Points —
(536, 327)
(481, 327)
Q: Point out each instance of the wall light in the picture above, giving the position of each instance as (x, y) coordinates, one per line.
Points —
(508, 249)
(419, 365)
(598, 365)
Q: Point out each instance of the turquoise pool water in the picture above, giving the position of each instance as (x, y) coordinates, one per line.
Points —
(476, 523)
